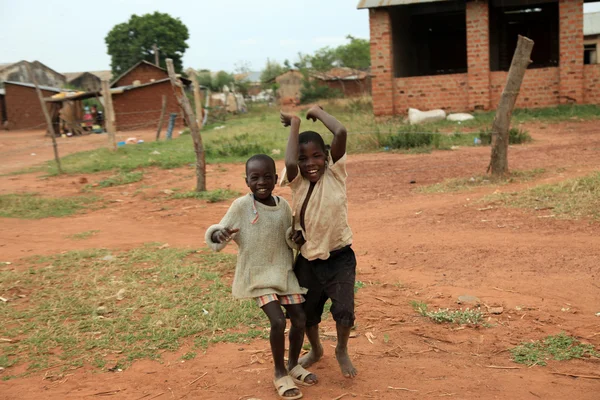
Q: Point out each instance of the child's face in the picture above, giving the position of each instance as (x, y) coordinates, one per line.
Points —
(311, 161)
(261, 179)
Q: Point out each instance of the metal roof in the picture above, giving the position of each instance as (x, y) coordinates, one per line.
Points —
(31, 85)
(388, 3)
(591, 24)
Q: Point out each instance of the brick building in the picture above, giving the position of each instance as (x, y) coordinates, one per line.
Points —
(142, 72)
(88, 81)
(455, 55)
(22, 106)
(350, 82)
(17, 72)
(139, 106)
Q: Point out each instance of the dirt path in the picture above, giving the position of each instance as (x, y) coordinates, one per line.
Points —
(433, 248)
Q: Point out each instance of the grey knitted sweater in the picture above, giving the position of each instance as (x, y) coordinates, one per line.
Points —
(265, 258)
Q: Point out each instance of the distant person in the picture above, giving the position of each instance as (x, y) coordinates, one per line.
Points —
(260, 224)
(326, 265)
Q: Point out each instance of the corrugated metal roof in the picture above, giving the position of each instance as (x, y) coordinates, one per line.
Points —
(31, 85)
(388, 3)
(341, 73)
(591, 24)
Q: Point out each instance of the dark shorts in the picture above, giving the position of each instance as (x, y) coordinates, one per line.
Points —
(328, 279)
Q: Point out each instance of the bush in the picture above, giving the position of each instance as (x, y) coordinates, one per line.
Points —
(240, 145)
(515, 136)
(409, 138)
(312, 91)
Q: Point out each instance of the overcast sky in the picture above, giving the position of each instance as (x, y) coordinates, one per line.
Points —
(68, 35)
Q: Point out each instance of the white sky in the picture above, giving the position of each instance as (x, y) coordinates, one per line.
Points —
(68, 35)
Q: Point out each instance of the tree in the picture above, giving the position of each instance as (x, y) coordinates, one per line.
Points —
(271, 71)
(133, 41)
(356, 54)
(221, 79)
(323, 59)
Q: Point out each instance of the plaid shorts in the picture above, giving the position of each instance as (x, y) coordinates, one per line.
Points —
(284, 299)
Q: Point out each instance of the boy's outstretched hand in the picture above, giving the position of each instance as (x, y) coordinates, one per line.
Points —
(224, 235)
(312, 113)
(286, 119)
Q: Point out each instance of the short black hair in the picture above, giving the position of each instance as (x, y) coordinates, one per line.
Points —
(262, 158)
(312, 137)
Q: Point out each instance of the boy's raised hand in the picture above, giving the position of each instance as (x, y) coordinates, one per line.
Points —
(286, 119)
(312, 113)
(224, 235)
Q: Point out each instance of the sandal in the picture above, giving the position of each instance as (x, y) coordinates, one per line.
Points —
(299, 374)
(284, 384)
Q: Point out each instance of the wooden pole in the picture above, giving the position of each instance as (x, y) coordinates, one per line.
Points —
(521, 59)
(197, 97)
(109, 115)
(185, 105)
(162, 116)
(156, 57)
(46, 115)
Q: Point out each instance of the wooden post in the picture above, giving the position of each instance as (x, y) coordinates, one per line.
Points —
(46, 115)
(197, 98)
(185, 105)
(521, 59)
(156, 57)
(162, 116)
(109, 115)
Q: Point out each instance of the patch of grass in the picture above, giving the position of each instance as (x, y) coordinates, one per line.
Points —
(83, 235)
(573, 198)
(462, 317)
(558, 347)
(462, 184)
(83, 309)
(359, 285)
(212, 196)
(190, 355)
(515, 136)
(122, 178)
(259, 131)
(33, 206)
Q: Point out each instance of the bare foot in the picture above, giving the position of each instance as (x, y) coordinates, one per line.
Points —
(345, 364)
(312, 357)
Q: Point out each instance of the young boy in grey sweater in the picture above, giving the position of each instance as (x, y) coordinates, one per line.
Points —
(260, 224)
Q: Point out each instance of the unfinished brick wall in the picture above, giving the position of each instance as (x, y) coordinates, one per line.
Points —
(478, 55)
(143, 73)
(23, 108)
(449, 92)
(540, 88)
(139, 108)
(382, 62)
(571, 50)
(480, 88)
(591, 83)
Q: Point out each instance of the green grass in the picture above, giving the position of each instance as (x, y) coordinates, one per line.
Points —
(122, 178)
(33, 206)
(463, 184)
(212, 196)
(515, 136)
(558, 347)
(83, 235)
(572, 198)
(260, 131)
(462, 317)
(80, 308)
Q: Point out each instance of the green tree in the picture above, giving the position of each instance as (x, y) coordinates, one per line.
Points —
(271, 71)
(356, 54)
(323, 59)
(133, 41)
(221, 79)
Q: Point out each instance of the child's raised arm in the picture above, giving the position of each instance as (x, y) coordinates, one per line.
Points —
(291, 151)
(338, 144)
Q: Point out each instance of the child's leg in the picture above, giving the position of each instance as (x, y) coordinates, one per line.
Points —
(313, 307)
(298, 320)
(340, 289)
(277, 338)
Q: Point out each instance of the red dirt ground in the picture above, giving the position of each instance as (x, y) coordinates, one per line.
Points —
(410, 246)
